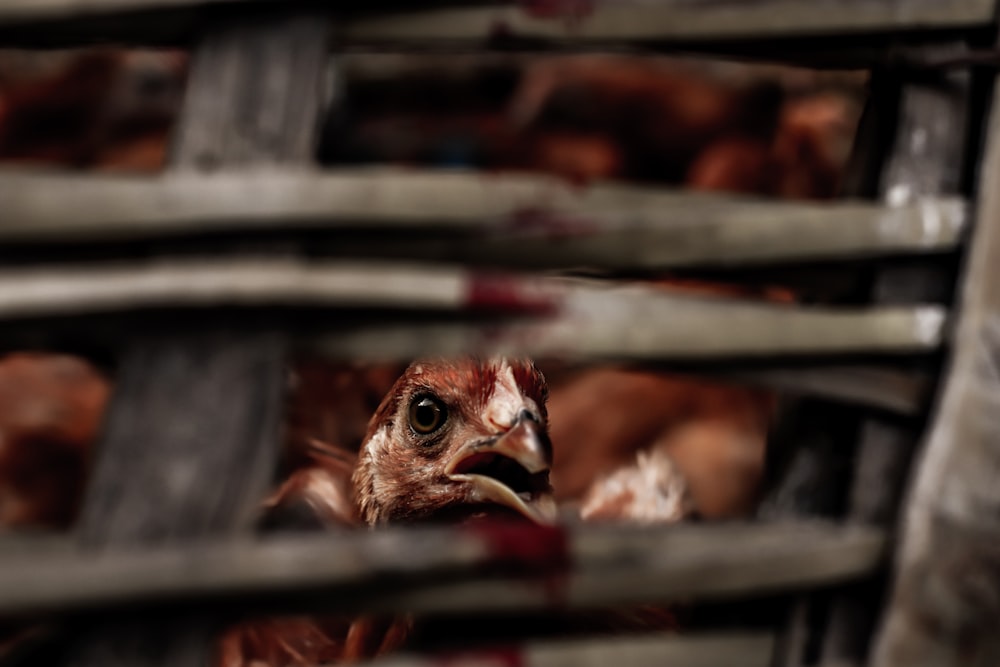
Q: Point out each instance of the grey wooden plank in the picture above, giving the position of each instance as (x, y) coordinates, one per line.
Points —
(895, 391)
(529, 222)
(449, 570)
(63, 22)
(638, 21)
(589, 319)
(634, 324)
(944, 603)
(191, 437)
(705, 650)
(609, 20)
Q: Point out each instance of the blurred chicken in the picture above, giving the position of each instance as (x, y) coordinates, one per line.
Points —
(662, 116)
(651, 490)
(105, 108)
(50, 411)
(715, 434)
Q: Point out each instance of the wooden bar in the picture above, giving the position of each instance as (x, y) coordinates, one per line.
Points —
(558, 317)
(894, 391)
(679, 21)
(705, 650)
(520, 221)
(444, 570)
(636, 324)
(947, 583)
(52, 21)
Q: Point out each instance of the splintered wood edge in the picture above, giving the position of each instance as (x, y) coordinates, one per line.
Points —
(442, 570)
(708, 650)
(559, 318)
(524, 221)
(608, 22)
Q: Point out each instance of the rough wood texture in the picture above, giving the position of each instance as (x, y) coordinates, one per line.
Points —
(500, 220)
(200, 416)
(926, 161)
(449, 570)
(716, 650)
(894, 391)
(676, 20)
(621, 21)
(638, 324)
(577, 318)
(946, 596)
(191, 435)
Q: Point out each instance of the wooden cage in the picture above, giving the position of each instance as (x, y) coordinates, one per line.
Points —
(202, 323)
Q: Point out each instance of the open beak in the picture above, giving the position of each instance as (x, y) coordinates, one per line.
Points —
(511, 471)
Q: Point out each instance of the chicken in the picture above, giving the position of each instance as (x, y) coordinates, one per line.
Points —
(454, 441)
(714, 434)
(50, 411)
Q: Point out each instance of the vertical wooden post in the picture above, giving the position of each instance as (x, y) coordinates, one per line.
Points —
(924, 157)
(946, 599)
(192, 434)
(926, 160)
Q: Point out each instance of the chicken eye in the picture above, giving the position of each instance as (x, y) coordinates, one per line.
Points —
(427, 415)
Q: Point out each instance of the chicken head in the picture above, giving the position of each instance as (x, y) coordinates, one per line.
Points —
(458, 440)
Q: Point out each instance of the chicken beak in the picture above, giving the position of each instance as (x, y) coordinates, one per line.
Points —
(527, 445)
(481, 466)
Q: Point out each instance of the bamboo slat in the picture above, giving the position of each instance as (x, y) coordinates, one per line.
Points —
(528, 222)
(569, 318)
(679, 21)
(70, 21)
(441, 570)
(714, 650)
(887, 389)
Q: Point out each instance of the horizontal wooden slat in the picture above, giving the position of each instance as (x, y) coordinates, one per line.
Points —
(897, 391)
(679, 20)
(48, 21)
(569, 318)
(520, 221)
(440, 570)
(641, 324)
(714, 650)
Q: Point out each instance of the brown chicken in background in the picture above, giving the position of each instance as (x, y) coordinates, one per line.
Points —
(50, 411)
(102, 108)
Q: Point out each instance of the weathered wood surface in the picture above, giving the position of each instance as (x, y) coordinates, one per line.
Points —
(448, 570)
(713, 650)
(894, 391)
(191, 437)
(559, 317)
(45, 21)
(638, 324)
(637, 21)
(926, 161)
(527, 222)
(946, 597)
